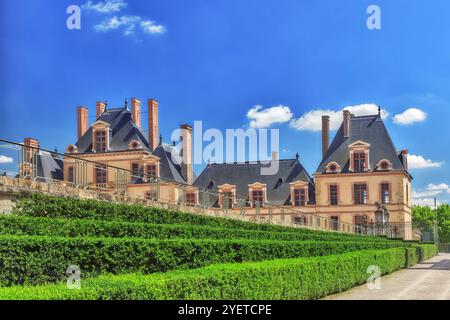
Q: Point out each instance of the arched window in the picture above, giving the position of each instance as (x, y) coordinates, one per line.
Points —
(384, 165)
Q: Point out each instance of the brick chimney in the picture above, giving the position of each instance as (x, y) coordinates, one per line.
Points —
(325, 134)
(186, 152)
(404, 154)
(153, 123)
(136, 111)
(274, 156)
(30, 152)
(100, 107)
(82, 116)
(347, 116)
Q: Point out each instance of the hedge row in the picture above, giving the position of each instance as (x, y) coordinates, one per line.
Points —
(21, 225)
(30, 260)
(304, 278)
(40, 205)
(426, 251)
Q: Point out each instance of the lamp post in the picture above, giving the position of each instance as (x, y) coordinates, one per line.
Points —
(435, 225)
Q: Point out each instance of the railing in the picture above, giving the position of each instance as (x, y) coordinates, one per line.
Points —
(35, 168)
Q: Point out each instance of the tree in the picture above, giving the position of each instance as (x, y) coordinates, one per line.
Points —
(424, 217)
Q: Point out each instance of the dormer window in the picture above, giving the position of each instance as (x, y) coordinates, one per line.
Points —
(359, 156)
(333, 167)
(299, 193)
(100, 141)
(72, 149)
(359, 162)
(384, 165)
(227, 196)
(258, 194)
(134, 144)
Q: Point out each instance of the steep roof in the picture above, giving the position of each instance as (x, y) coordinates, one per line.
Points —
(369, 129)
(168, 168)
(49, 166)
(243, 174)
(123, 131)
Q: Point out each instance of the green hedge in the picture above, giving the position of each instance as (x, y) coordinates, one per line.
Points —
(35, 259)
(40, 205)
(304, 278)
(21, 225)
(411, 256)
(426, 251)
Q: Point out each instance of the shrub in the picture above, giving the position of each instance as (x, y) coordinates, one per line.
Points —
(425, 251)
(304, 278)
(21, 225)
(39, 205)
(35, 259)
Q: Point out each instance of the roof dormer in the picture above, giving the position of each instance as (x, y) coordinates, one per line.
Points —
(359, 156)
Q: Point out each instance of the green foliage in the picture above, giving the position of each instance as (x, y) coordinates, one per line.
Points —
(63, 227)
(39, 205)
(304, 278)
(425, 217)
(425, 251)
(34, 260)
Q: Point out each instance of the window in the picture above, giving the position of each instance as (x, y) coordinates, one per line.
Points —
(151, 170)
(257, 197)
(301, 220)
(384, 165)
(333, 195)
(100, 141)
(70, 175)
(100, 174)
(299, 197)
(360, 193)
(359, 162)
(227, 200)
(385, 193)
(333, 168)
(191, 198)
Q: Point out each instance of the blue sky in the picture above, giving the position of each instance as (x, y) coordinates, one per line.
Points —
(215, 60)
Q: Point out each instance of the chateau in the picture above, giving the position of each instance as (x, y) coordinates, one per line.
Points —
(361, 182)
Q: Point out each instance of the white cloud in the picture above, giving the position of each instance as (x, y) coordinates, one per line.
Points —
(5, 159)
(424, 194)
(426, 202)
(264, 118)
(312, 120)
(150, 27)
(129, 23)
(105, 7)
(419, 162)
(439, 187)
(410, 116)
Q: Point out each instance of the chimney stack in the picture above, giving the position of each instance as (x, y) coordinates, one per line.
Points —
(100, 107)
(346, 123)
(153, 123)
(82, 115)
(136, 111)
(30, 152)
(274, 156)
(325, 134)
(404, 154)
(186, 152)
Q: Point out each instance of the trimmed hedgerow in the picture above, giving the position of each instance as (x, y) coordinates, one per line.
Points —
(39, 205)
(411, 256)
(35, 259)
(22, 225)
(425, 251)
(304, 278)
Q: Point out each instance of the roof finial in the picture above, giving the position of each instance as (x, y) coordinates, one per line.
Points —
(106, 104)
(160, 139)
(126, 103)
(297, 156)
(379, 111)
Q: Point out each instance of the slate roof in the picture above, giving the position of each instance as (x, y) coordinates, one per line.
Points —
(243, 174)
(48, 166)
(370, 129)
(123, 131)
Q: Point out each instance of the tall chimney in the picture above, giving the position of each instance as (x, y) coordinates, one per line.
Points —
(153, 123)
(347, 116)
(325, 134)
(186, 152)
(30, 152)
(100, 107)
(82, 115)
(404, 154)
(136, 111)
